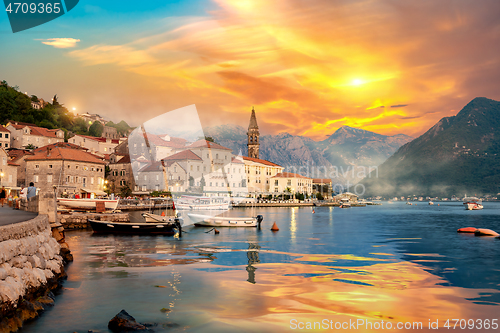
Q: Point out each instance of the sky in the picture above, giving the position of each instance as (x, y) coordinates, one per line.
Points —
(307, 66)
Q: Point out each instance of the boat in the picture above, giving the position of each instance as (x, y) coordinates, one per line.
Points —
(201, 220)
(409, 203)
(87, 204)
(345, 205)
(486, 232)
(473, 203)
(431, 203)
(188, 202)
(133, 228)
(150, 217)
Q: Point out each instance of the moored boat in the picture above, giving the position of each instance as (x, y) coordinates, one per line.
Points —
(473, 203)
(201, 220)
(133, 228)
(150, 217)
(187, 202)
(87, 204)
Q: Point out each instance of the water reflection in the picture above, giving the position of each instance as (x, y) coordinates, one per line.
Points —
(253, 258)
(393, 264)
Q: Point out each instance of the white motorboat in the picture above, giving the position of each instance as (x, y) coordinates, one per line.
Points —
(431, 203)
(187, 202)
(473, 203)
(201, 220)
(87, 204)
(149, 217)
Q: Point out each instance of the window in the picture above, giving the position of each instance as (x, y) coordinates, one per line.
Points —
(6, 135)
(92, 180)
(145, 177)
(50, 166)
(157, 177)
(157, 187)
(198, 168)
(0, 135)
(36, 166)
(216, 156)
(144, 187)
(84, 181)
(10, 178)
(49, 178)
(76, 167)
(191, 168)
(210, 183)
(36, 178)
(275, 182)
(105, 149)
(6, 145)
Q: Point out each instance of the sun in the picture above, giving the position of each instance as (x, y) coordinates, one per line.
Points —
(357, 82)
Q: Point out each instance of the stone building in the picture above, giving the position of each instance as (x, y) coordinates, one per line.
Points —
(259, 173)
(91, 118)
(8, 171)
(24, 134)
(109, 132)
(253, 136)
(18, 158)
(73, 171)
(295, 183)
(323, 186)
(5, 137)
(98, 146)
(120, 174)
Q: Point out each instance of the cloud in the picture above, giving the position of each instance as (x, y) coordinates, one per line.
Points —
(310, 67)
(60, 43)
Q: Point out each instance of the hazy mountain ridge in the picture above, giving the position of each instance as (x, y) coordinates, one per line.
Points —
(458, 155)
(346, 148)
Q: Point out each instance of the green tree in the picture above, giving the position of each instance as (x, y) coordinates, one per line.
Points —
(96, 129)
(125, 190)
(319, 196)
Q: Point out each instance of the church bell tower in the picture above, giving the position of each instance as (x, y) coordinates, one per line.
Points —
(253, 136)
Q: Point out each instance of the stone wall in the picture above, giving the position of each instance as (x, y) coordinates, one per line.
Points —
(30, 267)
(74, 220)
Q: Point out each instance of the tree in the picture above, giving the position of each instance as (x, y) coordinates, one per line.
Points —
(30, 146)
(125, 190)
(319, 196)
(96, 129)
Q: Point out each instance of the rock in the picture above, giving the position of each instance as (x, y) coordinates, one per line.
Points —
(123, 322)
(46, 301)
(165, 310)
(65, 253)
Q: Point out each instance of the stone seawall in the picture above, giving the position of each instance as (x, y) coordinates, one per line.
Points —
(71, 221)
(30, 268)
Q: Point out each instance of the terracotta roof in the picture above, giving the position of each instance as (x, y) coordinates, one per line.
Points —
(257, 160)
(236, 160)
(35, 130)
(183, 155)
(207, 144)
(116, 141)
(153, 167)
(157, 140)
(289, 175)
(124, 160)
(12, 163)
(60, 144)
(17, 153)
(3, 129)
(321, 180)
(60, 153)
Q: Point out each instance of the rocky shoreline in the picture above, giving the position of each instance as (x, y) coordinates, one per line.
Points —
(32, 262)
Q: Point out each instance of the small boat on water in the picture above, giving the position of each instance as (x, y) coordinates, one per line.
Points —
(150, 217)
(431, 203)
(473, 203)
(136, 228)
(87, 204)
(188, 202)
(201, 220)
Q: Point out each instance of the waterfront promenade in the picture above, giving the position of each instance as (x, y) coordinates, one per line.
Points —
(9, 215)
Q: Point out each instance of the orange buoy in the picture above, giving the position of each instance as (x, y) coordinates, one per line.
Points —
(486, 232)
(313, 211)
(216, 231)
(162, 213)
(467, 230)
(275, 227)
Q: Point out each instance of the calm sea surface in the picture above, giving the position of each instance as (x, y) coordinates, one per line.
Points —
(394, 263)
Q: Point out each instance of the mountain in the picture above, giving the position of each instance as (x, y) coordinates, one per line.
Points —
(336, 157)
(457, 156)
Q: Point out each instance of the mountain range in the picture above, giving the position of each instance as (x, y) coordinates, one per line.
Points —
(345, 156)
(459, 155)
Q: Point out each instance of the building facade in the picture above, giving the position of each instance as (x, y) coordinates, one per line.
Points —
(259, 173)
(120, 174)
(24, 134)
(287, 182)
(5, 138)
(322, 186)
(8, 171)
(72, 171)
(98, 146)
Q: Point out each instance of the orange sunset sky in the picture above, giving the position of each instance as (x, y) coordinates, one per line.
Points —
(308, 67)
